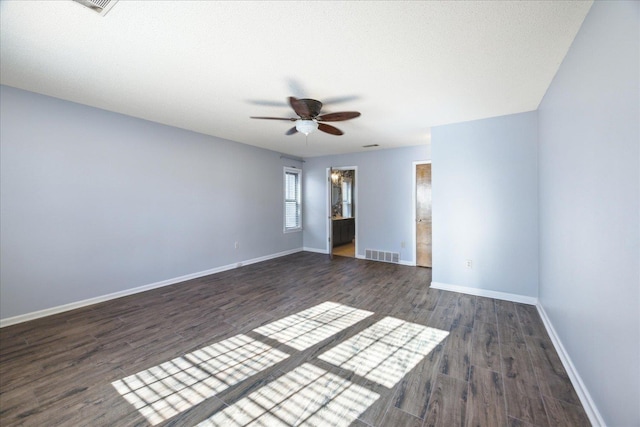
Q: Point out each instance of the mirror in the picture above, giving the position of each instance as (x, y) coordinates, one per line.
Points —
(335, 194)
(346, 198)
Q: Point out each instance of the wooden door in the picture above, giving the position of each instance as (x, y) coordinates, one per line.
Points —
(330, 216)
(423, 215)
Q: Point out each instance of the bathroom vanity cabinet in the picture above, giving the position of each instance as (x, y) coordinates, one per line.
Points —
(344, 231)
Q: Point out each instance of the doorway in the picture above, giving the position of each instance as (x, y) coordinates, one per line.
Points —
(342, 235)
(423, 222)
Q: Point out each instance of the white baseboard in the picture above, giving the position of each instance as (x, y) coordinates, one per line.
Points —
(324, 251)
(78, 304)
(583, 394)
(268, 257)
(316, 250)
(485, 293)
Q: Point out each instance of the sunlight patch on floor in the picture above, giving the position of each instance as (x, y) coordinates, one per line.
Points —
(309, 327)
(166, 390)
(306, 396)
(386, 351)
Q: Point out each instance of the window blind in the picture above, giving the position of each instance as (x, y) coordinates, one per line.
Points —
(292, 200)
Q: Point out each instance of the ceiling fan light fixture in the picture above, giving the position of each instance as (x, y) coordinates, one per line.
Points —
(306, 126)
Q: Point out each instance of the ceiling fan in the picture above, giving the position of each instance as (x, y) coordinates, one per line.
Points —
(309, 118)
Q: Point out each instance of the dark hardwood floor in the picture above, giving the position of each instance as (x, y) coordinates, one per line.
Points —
(299, 340)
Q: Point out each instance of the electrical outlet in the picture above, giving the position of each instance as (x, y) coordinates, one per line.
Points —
(469, 264)
(403, 244)
(237, 245)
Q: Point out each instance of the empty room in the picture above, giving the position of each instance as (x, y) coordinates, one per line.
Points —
(320, 213)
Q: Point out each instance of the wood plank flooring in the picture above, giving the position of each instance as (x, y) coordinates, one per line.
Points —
(348, 250)
(271, 343)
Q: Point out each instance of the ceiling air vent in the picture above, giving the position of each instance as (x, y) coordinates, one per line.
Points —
(99, 6)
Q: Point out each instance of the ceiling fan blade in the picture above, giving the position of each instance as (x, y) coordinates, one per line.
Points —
(275, 118)
(313, 106)
(300, 108)
(291, 131)
(337, 117)
(296, 88)
(267, 103)
(340, 99)
(305, 108)
(329, 129)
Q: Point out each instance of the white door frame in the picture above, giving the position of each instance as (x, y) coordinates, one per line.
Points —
(355, 202)
(415, 219)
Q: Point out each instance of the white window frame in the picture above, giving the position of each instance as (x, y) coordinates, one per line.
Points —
(298, 200)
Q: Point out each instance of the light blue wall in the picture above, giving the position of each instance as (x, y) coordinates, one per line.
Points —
(485, 204)
(94, 203)
(384, 199)
(589, 207)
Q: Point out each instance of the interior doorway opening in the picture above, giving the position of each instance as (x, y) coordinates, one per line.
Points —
(422, 210)
(343, 211)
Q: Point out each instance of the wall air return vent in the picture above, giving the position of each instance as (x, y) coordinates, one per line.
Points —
(382, 256)
(99, 6)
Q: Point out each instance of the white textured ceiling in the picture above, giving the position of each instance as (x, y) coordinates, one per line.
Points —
(209, 65)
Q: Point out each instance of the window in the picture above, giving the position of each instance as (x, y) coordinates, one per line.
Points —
(346, 198)
(292, 200)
